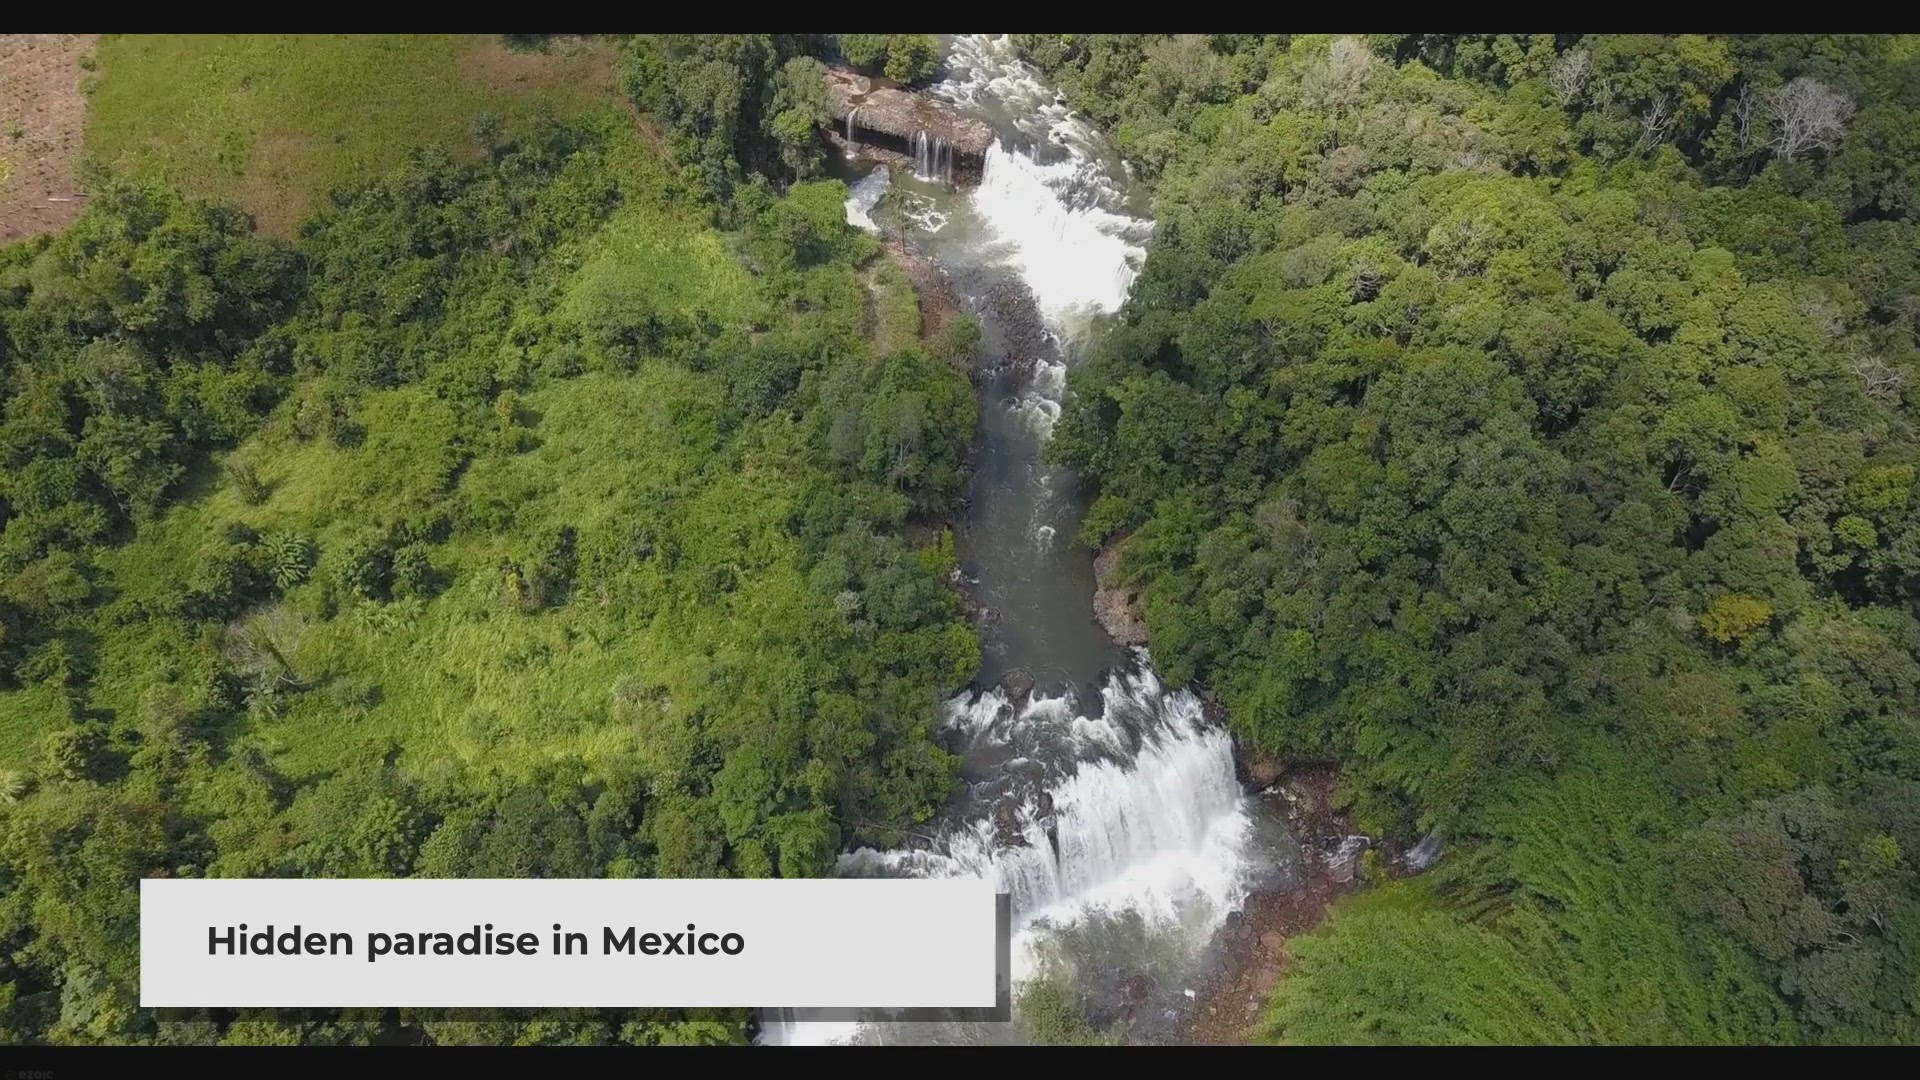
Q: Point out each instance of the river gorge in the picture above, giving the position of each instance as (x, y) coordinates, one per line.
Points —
(1106, 804)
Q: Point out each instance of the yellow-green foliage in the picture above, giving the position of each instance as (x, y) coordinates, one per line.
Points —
(896, 307)
(517, 523)
(1732, 617)
(467, 678)
(647, 260)
(1552, 925)
(481, 674)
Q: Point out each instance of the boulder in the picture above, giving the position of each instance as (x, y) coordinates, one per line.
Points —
(1263, 771)
(1018, 686)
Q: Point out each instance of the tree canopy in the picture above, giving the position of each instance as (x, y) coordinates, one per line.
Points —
(1522, 421)
(515, 521)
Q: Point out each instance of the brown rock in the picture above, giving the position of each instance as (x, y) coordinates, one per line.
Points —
(1263, 771)
(1017, 685)
(902, 114)
(1116, 607)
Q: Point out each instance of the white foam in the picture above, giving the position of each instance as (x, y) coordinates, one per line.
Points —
(1162, 835)
(866, 195)
(1079, 260)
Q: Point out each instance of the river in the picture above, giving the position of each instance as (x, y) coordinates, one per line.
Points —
(1105, 804)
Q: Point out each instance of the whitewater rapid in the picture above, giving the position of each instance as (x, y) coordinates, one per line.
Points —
(1079, 260)
(1110, 813)
(1144, 825)
(1051, 199)
(1149, 820)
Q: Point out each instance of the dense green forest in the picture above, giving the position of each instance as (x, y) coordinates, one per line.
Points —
(1523, 422)
(1520, 422)
(536, 512)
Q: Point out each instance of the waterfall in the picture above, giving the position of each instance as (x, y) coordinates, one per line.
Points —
(1120, 830)
(851, 140)
(1079, 257)
(932, 157)
(1142, 820)
(866, 195)
(1150, 822)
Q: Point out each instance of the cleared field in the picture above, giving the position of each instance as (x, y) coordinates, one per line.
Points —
(273, 121)
(43, 119)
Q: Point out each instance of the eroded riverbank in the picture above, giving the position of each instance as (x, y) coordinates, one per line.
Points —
(1251, 948)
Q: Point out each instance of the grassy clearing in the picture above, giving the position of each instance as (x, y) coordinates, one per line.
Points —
(649, 261)
(461, 677)
(273, 121)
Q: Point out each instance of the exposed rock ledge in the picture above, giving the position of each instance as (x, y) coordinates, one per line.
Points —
(902, 114)
(1115, 606)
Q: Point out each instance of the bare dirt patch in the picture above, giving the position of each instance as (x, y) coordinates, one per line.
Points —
(43, 120)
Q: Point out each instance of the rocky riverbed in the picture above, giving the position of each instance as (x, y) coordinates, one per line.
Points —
(1252, 947)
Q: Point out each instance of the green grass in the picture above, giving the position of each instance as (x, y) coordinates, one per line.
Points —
(648, 260)
(25, 715)
(273, 121)
(463, 677)
(466, 679)
(896, 308)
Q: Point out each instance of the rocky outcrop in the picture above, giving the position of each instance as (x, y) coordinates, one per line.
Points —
(1117, 607)
(1261, 771)
(1023, 334)
(1018, 686)
(902, 115)
(1006, 824)
(938, 304)
(1231, 998)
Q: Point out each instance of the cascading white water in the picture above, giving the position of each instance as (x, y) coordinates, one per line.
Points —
(1149, 823)
(1052, 205)
(1130, 813)
(1158, 834)
(1079, 260)
(932, 157)
(864, 196)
